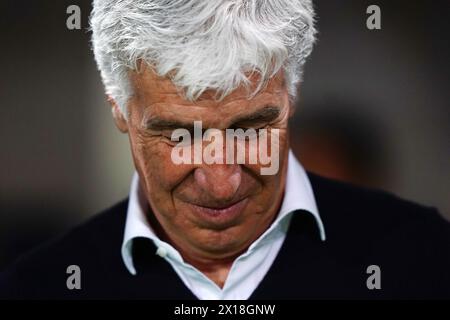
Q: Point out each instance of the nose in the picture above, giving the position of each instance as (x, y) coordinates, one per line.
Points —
(219, 181)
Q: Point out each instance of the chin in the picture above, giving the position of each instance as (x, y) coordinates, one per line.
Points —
(225, 242)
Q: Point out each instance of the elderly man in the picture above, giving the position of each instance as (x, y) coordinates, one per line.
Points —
(219, 208)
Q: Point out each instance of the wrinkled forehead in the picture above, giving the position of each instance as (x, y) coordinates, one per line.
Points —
(147, 85)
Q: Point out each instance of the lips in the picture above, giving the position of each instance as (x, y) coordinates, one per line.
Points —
(220, 214)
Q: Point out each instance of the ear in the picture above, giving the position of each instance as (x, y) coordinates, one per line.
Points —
(119, 119)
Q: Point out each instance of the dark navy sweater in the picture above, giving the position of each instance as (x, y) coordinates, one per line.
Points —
(408, 242)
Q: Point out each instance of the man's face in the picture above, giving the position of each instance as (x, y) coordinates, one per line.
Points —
(210, 211)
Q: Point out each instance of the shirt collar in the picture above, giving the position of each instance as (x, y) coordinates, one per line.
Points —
(298, 195)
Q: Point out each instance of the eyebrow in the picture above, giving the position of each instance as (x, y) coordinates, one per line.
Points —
(265, 115)
(164, 124)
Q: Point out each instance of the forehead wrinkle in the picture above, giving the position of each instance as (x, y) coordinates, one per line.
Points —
(158, 95)
(149, 82)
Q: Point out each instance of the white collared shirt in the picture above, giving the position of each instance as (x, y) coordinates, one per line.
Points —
(248, 270)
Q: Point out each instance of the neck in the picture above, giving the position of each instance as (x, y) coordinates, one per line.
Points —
(216, 270)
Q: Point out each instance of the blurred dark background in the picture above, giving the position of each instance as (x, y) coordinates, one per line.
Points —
(373, 110)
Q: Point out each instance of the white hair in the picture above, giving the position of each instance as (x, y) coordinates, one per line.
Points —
(201, 44)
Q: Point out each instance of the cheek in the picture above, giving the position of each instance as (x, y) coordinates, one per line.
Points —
(272, 185)
(269, 152)
(152, 159)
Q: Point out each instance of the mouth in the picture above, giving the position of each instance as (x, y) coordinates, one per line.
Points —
(221, 214)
